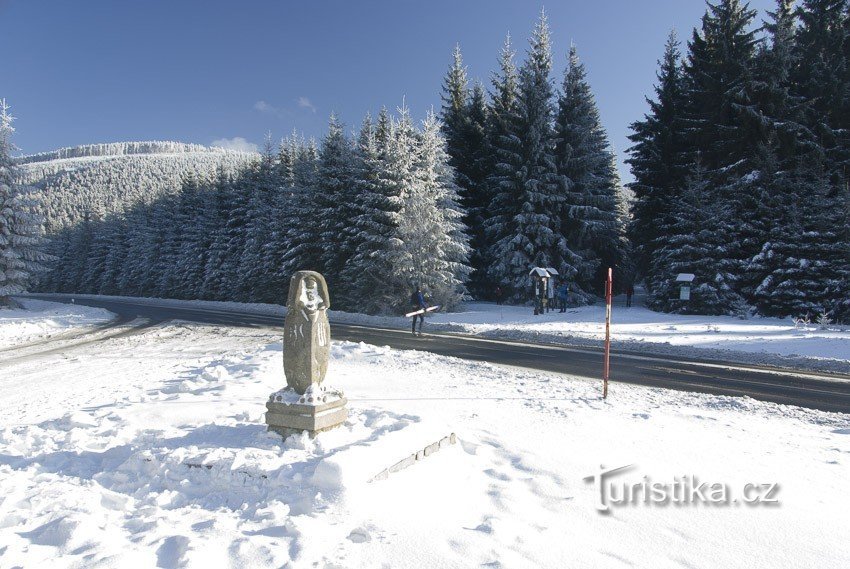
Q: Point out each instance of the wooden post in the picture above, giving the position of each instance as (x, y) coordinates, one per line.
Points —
(607, 367)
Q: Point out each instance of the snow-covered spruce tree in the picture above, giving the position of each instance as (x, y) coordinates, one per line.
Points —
(725, 128)
(81, 239)
(525, 230)
(823, 78)
(258, 274)
(464, 116)
(191, 258)
(656, 159)
(215, 284)
(693, 246)
(139, 236)
(792, 184)
(438, 244)
(21, 241)
(302, 233)
(114, 238)
(399, 180)
(454, 115)
(841, 293)
(378, 215)
(589, 184)
(479, 197)
(334, 202)
(503, 145)
(798, 264)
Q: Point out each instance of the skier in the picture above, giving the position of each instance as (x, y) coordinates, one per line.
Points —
(630, 291)
(417, 299)
(498, 294)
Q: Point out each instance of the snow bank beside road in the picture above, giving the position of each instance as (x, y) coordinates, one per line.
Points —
(39, 319)
(177, 469)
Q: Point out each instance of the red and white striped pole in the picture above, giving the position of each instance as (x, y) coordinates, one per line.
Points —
(607, 367)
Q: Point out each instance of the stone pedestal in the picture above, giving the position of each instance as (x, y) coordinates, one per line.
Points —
(292, 418)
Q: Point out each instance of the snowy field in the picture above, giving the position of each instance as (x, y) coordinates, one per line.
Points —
(39, 320)
(150, 450)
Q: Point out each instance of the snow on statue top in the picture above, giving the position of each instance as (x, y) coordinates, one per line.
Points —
(305, 404)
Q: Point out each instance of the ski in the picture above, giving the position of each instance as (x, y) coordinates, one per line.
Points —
(422, 311)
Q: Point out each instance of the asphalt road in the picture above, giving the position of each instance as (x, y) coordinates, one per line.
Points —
(828, 392)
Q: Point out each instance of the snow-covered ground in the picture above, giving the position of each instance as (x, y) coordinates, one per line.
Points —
(41, 320)
(150, 450)
(638, 325)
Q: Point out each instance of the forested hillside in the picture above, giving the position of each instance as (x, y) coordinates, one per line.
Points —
(101, 179)
(376, 215)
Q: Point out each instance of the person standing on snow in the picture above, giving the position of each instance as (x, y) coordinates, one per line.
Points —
(563, 294)
(417, 300)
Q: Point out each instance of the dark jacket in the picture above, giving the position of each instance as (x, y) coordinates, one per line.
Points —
(417, 299)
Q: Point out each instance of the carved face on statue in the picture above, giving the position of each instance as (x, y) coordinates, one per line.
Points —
(309, 296)
(308, 292)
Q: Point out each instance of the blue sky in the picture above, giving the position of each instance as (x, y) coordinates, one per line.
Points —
(87, 71)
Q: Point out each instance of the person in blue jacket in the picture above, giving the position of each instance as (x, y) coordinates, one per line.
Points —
(563, 295)
(417, 300)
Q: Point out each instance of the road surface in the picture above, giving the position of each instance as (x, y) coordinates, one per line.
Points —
(828, 392)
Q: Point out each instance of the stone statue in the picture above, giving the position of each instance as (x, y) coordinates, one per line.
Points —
(305, 404)
(306, 332)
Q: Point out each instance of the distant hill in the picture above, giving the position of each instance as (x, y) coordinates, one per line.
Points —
(98, 179)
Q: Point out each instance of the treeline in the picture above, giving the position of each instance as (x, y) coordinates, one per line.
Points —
(741, 164)
(376, 214)
(537, 174)
(119, 149)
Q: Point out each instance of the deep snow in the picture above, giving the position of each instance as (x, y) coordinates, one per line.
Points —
(151, 450)
(39, 320)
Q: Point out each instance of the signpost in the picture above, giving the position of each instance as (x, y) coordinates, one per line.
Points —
(607, 367)
(685, 281)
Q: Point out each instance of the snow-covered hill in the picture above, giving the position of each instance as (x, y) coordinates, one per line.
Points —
(99, 179)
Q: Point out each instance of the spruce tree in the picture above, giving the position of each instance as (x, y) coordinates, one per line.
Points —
(438, 244)
(21, 241)
(823, 79)
(528, 228)
(334, 197)
(455, 116)
(464, 116)
(656, 159)
(378, 215)
(257, 272)
(305, 248)
(589, 183)
(725, 130)
(693, 246)
(504, 155)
